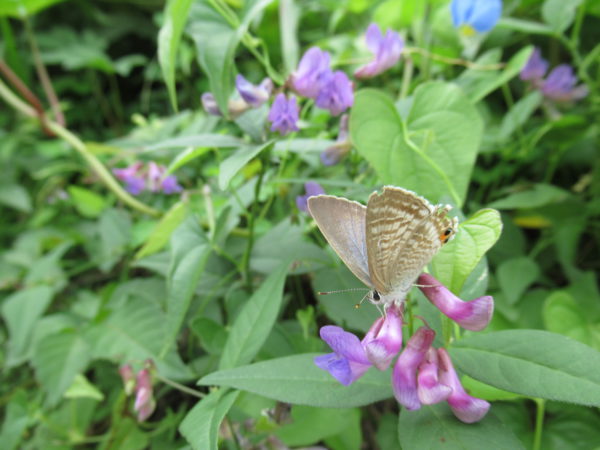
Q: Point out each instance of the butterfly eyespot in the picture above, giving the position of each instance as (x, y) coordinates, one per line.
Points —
(445, 236)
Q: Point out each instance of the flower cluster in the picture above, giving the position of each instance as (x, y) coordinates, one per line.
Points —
(475, 16)
(145, 403)
(422, 375)
(559, 85)
(138, 178)
(313, 78)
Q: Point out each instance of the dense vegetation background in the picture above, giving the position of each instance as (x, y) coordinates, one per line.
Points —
(145, 240)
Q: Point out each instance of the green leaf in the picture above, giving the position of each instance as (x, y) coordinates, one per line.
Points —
(311, 425)
(515, 276)
(533, 363)
(254, 322)
(88, 203)
(21, 312)
(125, 435)
(435, 427)
(82, 388)
(163, 230)
(201, 425)
(189, 251)
(234, 163)
(539, 194)
(206, 140)
(525, 26)
(15, 196)
(114, 228)
(16, 419)
(216, 40)
(479, 83)
(135, 330)
(289, 17)
(57, 359)
(169, 36)
(23, 8)
(432, 151)
(520, 112)
(296, 379)
(559, 14)
(563, 315)
(457, 259)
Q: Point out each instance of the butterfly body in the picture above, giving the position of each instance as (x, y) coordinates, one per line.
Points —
(387, 243)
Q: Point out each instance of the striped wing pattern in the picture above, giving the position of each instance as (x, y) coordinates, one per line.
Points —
(342, 222)
(403, 234)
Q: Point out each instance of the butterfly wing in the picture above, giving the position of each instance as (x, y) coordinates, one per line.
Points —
(403, 234)
(342, 222)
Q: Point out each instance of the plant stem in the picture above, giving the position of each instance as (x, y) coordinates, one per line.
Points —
(251, 221)
(539, 423)
(406, 77)
(180, 387)
(102, 172)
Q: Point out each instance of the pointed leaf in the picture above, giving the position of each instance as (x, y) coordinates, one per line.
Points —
(234, 163)
(169, 36)
(296, 379)
(201, 425)
(533, 363)
(163, 230)
(254, 322)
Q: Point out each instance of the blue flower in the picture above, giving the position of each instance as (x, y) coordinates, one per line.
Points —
(475, 15)
(284, 114)
(336, 93)
(387, 50)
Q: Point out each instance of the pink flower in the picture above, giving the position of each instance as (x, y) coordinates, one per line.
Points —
(429, 388)
(387, 50)
(144, 396)
(384, 340)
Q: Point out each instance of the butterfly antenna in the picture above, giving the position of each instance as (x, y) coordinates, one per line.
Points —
(341, 291)
(362, 300)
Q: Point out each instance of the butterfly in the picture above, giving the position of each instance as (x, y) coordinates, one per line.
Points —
(386, 244)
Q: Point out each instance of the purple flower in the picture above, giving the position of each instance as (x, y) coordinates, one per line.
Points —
(387, 50)
(257, 95)
(560, 85)
(468, 409)
(311, 188)
(209, 103)
(475, 15)
(429, 388)
(535, 68)
(333, 155)
(144, 396)
(312, 69)
(474, 315)
(404, 377)
(336, 93)
(158, 181)
(134, 180)
(128, 377)
(284, 114)
(384, 340)
(349, 360)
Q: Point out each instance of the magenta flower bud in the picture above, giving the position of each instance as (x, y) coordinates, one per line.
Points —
(387, 50)
(254, 95)
(535, 68)
(560, 85)
(468, 409)
(209, 103)
(429, 388)
(311, 188)
(284, 114)
(336, 93)
(312, 69)
(404, 377)
(384, 340)
(144, 396)
(128, 377)
(349, 361)
(473, 315)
